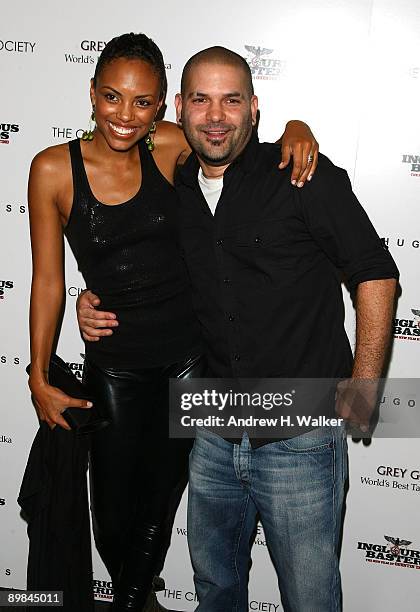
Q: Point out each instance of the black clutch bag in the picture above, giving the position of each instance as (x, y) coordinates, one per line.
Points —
(82, 420)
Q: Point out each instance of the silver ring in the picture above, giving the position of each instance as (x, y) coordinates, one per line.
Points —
(310, 158)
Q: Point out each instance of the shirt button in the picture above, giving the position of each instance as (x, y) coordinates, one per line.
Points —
(226, 280)
(219, 242)
(236, 357)
(231, 317)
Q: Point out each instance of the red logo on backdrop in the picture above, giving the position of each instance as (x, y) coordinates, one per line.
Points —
(6, 132)
(408, 328)
(396, 553)
(5, 285)
(414, 163)
(264, 68)
(103, 590)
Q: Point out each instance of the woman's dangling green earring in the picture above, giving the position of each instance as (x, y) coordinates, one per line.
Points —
(88, 134)
(149, 140)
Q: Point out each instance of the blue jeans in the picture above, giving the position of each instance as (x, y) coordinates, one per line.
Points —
(296, 486)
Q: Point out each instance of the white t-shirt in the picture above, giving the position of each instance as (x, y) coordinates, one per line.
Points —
(211, 188)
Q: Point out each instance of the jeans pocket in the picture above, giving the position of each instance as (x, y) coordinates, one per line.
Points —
(319, 439)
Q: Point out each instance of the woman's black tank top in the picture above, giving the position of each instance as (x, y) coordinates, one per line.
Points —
(129, 256)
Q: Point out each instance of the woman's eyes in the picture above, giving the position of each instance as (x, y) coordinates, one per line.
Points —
(113, 98)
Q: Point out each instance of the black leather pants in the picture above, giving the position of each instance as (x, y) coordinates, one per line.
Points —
(137, 474)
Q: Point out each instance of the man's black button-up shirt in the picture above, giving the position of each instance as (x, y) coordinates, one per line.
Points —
(266, 270)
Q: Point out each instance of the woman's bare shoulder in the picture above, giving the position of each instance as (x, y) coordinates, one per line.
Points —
(54, 160)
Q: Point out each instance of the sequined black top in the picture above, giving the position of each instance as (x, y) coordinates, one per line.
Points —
(129, 256)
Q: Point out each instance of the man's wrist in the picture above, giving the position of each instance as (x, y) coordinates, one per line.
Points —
(79, 296)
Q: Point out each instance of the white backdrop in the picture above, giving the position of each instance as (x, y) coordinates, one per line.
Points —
(351, 69)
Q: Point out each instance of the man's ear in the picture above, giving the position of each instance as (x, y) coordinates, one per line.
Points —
(254, 109)
(178, 108)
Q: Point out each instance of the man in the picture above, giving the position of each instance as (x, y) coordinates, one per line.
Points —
(265, 262)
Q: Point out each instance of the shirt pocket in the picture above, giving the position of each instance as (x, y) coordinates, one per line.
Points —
(269, 243)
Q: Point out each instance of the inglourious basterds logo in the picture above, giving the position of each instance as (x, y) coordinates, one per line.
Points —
(103, 590)
(414, 163)
(7, 131)
(77, 367)
(396, 552)
(408, 328)
(264, 68)
(5, 287)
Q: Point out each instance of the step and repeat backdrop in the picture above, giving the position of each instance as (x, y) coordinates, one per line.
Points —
(349, 68)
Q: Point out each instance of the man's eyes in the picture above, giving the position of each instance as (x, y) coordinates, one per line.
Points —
(226, 101)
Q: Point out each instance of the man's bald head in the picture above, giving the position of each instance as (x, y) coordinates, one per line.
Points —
(217, 55)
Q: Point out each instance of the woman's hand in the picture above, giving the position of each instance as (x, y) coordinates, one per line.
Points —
(299, 142)
(51, 402)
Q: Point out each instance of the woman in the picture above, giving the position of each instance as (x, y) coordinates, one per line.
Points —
(113, 197)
